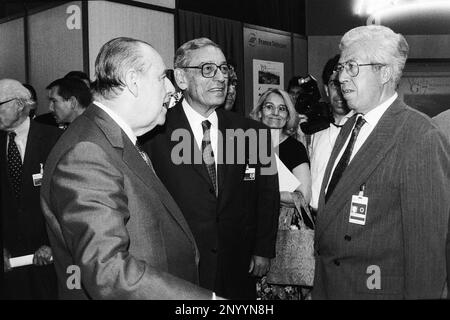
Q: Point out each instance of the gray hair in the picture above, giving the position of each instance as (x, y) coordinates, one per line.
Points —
(382, 46)
(182, 55)
(115, 58)
(255, 114)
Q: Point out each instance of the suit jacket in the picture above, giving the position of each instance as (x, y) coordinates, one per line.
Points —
(242, 221)
(110, 217)
(23, 222)
(400, 251)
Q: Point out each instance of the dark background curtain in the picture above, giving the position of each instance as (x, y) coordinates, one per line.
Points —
(226, 33)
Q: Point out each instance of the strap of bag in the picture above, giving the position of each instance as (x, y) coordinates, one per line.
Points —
(300, 203)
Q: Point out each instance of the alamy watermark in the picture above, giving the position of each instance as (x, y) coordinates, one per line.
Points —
(252, 146)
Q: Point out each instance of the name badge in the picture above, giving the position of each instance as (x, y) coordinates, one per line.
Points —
(37, 177)
(249, 174)
(358, 209)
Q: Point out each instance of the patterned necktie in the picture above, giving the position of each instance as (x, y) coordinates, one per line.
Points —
(208, 154)
(14, 165)
(345, 159)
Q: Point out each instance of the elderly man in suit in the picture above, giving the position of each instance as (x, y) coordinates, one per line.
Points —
(384, 204)
(112, 223)
(232, 208)
(24, 146)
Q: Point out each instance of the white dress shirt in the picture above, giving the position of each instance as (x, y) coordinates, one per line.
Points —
(321, 145)
(372, 117)
(122, 124)
(21, 137)
(195, 120)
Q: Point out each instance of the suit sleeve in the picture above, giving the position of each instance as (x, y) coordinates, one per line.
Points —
(88, 195)
(425, 211)
(268, 203)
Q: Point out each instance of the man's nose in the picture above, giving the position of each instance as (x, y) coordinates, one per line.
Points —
(219, 76)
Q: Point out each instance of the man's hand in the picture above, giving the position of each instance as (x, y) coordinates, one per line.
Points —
(259, 266)
(43, 256)
(6, 257)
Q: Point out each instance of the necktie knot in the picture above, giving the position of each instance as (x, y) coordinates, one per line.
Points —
(206, 125)
(360, 121)
(12, 135)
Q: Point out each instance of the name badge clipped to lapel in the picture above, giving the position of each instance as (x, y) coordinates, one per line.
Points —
(358, 208)
(249, 174)
(37, 177)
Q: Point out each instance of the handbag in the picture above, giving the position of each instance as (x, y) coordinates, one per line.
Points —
(294, 261)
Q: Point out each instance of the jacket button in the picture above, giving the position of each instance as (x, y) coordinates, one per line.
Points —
(347, 237)
(337, 262)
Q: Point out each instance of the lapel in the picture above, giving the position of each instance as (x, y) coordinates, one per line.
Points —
(178, 120)
(136, 163)
(368, 157)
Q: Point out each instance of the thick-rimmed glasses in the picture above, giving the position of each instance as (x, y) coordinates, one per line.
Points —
(352, 67)
(3, 102)
(209, 69)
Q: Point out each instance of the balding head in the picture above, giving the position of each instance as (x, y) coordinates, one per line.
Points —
(15, 103)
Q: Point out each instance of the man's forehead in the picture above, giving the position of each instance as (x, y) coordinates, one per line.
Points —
(207, 54)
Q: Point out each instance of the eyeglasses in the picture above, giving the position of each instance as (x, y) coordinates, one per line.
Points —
(269, 107)
(7, 101)
(209, 69)
(352, 67)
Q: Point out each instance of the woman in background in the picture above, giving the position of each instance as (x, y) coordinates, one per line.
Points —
(276, 110)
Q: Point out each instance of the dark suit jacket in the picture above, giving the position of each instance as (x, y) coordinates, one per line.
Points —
(109, 215)
(242, 221)
(23, 222)
(405, 166)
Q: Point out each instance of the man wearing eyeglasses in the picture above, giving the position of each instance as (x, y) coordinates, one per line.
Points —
(231, 208)
(384, 204)
(24, 147)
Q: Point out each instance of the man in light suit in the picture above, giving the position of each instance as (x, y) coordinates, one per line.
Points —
(231, 207)
(384, 205)
(24, 147)
(115, 230)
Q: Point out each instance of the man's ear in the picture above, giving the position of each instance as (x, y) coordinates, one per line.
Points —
(131, 79)
(180, 78)
(386, 73)
(73, 102)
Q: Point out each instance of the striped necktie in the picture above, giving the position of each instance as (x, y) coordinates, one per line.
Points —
(208, 154)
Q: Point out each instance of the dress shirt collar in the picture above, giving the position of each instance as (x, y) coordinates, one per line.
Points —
(22, 130)
(373, 116)
(122, 124)
(195, 118)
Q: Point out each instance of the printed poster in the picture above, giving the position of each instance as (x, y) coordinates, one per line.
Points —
(266, 75)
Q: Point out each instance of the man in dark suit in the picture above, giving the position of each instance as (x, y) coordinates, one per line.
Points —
(24, 146)
(231, 206)
(384, 205)
(115, 230)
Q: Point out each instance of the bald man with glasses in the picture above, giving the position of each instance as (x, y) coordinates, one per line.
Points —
(231, 208)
